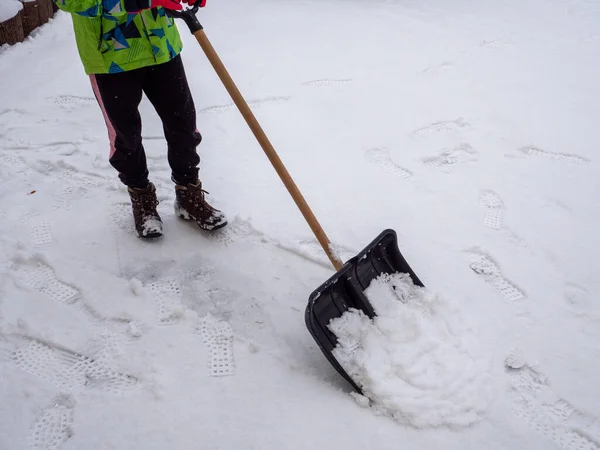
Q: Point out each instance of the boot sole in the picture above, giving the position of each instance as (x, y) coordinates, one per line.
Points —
(150, 237)
(183, 214)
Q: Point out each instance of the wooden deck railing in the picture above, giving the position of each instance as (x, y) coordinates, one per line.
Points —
(32, 14)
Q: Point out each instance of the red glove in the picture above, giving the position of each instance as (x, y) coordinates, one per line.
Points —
(193, 2)
(168, 4)
(135, 6)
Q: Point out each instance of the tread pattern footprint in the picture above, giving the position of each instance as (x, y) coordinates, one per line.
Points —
(12, 162)
(54, 426)
(442, 126)
(381, 157)
(237, 229)
(438, 68)
(490, 272)
(458, 155)
(217, 335)
(69, 370)
(122, 218)
(534, 151)
(494, 209)
(537, 404)
(42, 278)
(73, 100)
(74, 182)
(167, 294)
(255, 102)
(327, 82)
(40, 229)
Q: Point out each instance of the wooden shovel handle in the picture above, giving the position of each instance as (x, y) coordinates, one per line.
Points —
(267, 147)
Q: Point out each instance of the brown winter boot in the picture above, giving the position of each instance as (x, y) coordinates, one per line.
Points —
(148, 223)
(190, 204)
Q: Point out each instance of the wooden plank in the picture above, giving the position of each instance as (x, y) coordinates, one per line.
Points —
(11, 31)
(30, 17)
(51, 9)
(44, 11)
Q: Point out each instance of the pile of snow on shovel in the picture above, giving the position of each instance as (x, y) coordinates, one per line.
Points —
(415, 361)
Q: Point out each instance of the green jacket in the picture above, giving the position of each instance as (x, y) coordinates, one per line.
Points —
(110, 40)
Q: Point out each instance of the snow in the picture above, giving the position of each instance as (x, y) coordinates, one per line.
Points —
(468, 127)
(151, 226)
(414, 360)
(9, 9)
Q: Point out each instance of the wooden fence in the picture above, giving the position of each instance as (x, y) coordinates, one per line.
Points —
(33, 14)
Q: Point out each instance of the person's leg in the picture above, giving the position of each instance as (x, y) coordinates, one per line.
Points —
(119, 96)
(167, 89)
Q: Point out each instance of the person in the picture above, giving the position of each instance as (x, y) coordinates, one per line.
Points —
(129, 48)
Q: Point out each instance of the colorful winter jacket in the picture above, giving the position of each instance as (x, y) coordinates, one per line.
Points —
(111, 40)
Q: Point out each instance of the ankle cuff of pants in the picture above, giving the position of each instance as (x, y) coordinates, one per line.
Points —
(140, 183)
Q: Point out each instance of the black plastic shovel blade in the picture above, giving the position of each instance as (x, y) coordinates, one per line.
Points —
(345, 290)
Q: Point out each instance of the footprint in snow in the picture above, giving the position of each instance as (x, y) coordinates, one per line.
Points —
(494, 209)
(40, 228)
(252, 103)
(494, 213)
(70, 371)
(12, 112)
(10, 160)
(238, 229)
(12, 165)
(434, 70)
(64, 148)
(461, 154)
(53, 427)
(535, 402)
(108, 333)
(122, 218)
(41, 231)
(495, 43)
(42, 278)
(68, 100)
(382, 158)
(217, 335)
(327, 82)
(442, 127)
(540, 153)
(167, 295)
(72, 183)
(69, 174)
(486, 268)
(60, 148)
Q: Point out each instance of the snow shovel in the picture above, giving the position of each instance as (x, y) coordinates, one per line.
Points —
(344, 290)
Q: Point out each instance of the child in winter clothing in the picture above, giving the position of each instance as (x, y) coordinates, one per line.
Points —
(131, 47)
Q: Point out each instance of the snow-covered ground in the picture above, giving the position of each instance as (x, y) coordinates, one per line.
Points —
(470, 127)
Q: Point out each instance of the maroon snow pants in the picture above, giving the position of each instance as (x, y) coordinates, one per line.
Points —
(165, 85)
